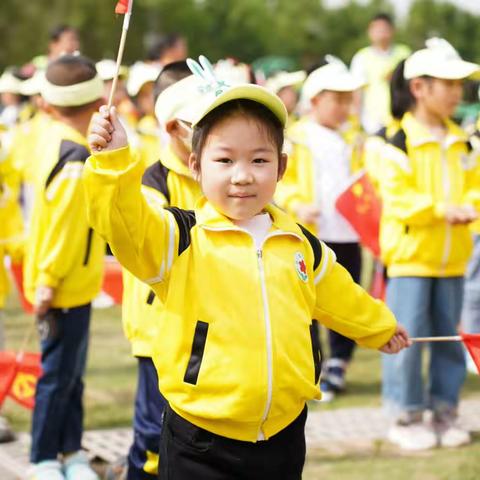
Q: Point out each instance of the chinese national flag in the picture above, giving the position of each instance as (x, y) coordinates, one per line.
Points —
(122, 7)
(8, 371)
(19, 376)
(362, 208)
(472, 343)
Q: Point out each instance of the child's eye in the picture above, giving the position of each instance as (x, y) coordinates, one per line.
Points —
(260, 160)
(224, 160)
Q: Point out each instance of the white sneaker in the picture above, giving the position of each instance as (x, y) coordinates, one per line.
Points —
(47, 470)
(414, 437)
(77, 467)
(451, 434)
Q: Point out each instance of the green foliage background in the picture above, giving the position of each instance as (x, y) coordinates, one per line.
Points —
(246, 29)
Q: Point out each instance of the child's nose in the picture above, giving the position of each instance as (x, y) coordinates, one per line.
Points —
(242, 175)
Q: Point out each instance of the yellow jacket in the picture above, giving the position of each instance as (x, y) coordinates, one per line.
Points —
(421, 177)
(298, 184)
(166, 182)
(11, 232)
(149, 138)
(62, 250)
(373, 153)
(234, 350)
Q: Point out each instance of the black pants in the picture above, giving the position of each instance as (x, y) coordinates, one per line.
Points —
(349, 256)
(188, 452)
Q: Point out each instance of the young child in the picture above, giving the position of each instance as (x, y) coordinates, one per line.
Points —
(236, 351)
(430, 195)
(63, 270)
(167, 182)
(321, 166)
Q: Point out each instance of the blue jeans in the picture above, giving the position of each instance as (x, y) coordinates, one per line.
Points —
(471, 299)
(57, 423)
(147, 424)
(425, 307)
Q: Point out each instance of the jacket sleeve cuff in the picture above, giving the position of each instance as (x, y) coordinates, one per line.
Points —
(112, 160)
(46, 280)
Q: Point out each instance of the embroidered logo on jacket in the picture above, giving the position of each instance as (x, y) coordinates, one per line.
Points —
(301, 267)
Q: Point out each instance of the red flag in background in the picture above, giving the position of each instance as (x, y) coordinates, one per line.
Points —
(18, 377)
(8, 371)
(122, 7)
(362, 208)
(472, 342)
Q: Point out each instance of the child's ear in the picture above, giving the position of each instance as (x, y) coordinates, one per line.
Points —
(172, 127)
(194, 166)
(282, 165)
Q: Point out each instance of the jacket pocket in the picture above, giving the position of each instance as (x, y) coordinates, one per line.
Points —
(88, 249)
(316, 349)
(196, 356)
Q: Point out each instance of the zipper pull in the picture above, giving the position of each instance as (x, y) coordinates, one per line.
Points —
(259, 254)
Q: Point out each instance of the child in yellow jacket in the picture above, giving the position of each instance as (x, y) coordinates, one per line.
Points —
(236, 353)
(430, 194)
(166, 182)
(63, 270)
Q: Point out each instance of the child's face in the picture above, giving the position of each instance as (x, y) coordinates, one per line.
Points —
(289, 97)
(239, 167)
(331, 109)
(440, 97)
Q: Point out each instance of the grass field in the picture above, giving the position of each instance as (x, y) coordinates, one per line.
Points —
(109, 402)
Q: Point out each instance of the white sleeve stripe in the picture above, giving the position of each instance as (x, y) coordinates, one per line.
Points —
(325, 262)
(170, 249)
(399, 157)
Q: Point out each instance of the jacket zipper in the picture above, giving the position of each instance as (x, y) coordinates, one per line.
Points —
(268, 339)
(266, 316)
(447, 191)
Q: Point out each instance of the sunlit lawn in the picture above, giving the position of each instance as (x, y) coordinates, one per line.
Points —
(109, 403)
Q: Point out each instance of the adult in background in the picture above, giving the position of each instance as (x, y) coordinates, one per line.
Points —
(375, 64)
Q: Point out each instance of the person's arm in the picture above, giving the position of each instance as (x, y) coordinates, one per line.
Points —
(401, 199)
(143, 239)
(344, 306)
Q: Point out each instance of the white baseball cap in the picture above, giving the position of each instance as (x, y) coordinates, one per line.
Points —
(438, 60)
(9, 83)
(285, 79)
(33, 85)
(179, 101)
(334, 76)
(140, 74)
(107, 69)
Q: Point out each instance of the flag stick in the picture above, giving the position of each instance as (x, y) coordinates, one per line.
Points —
(121, 49)
(456, 338)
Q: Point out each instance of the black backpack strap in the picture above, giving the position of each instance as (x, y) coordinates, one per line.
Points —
(315, 244)
(399, 140)
(186, 220)
(155, 176)
(382, 133)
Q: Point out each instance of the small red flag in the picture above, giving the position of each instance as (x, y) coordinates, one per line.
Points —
(19, 376)
(362, 208)
(122, 7)
(8, 371)
(472, 342)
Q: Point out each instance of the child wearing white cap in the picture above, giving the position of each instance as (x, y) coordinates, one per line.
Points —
(320, 167)
(237, 351)
(430, 196)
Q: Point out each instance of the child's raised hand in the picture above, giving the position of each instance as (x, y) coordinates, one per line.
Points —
(461, 215)
(399, 341)
(106, 131)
